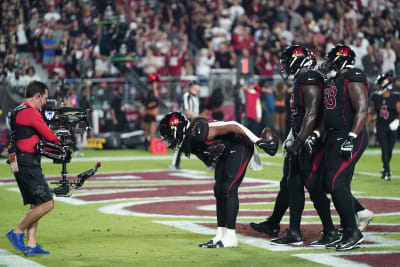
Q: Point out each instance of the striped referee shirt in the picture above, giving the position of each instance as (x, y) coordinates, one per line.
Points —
(191, 102)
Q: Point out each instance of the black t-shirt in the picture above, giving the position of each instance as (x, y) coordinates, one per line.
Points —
(116, 106)
(338, 112)
(385, 108)
(297, 106)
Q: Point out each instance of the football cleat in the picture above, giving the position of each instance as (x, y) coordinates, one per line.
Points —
(206, 244)
(352, 238)
(266, 227)
(328, 237)
(388, 176)
(292, 238)
(363, 218)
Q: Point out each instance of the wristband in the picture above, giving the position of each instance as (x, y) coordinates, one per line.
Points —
(351, 134)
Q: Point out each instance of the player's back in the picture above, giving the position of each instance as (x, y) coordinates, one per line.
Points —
(339, 114)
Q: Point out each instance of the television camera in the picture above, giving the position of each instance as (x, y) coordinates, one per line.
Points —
(65, 122)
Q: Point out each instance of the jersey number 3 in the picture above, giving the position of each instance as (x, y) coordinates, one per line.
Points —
(330, 97)
(383, 112)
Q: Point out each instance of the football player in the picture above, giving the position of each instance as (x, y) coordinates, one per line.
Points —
(230, 146)
(298, 63)
(386, 105)
(345, 116)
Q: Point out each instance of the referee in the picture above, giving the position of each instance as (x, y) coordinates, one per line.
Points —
(28, 127)
(191, 108)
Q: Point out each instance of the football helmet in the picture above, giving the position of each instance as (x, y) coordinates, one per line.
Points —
(338, 58)
(173, 128)
(384, 82)
(294, 58)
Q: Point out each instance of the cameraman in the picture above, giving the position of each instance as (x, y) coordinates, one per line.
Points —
(28, 127)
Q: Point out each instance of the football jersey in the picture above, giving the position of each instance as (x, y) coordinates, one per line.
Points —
(338, 112)
(208, 151)
(385, 108)
(297, 107)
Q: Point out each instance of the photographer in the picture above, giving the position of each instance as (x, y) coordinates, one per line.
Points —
(28, 128)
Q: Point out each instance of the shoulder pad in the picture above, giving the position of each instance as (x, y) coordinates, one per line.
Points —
(311, 77)
(355, 75)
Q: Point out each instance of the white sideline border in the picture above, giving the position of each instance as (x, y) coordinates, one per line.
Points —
(12, 260)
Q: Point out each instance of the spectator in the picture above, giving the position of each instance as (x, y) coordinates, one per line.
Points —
(30, 76)
(280, 110)
(224, 57)
(49, 48)
(57, 67)
(117, 114)
(266, 66)
(360, 48)
(52, 14)
(102, 67)
(388, 58)
(204, 63)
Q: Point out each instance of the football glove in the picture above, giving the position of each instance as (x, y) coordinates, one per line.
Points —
(346, 149)
(394, 125)
(295, 147)
(310, 142)
(270, 147)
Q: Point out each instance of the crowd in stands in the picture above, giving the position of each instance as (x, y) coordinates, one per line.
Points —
(82, 38)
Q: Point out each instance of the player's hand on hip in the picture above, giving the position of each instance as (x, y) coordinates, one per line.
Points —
(295, 147)
(346, 149)
(394, 125)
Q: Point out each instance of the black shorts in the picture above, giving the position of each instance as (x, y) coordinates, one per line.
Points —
(149, 118)
(32, 185)
(280, 109)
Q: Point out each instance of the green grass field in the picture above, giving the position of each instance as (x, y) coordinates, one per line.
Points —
(81, 235)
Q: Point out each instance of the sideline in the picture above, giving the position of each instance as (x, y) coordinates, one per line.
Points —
(12, 260)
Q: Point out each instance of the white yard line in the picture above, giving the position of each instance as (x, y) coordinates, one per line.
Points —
(12, 260)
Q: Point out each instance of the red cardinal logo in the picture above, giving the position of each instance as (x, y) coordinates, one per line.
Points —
(297, 52)
(344, 51)
(173, 121)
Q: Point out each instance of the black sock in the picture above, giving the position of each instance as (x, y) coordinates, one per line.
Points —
(231, 211)
(322, 205)
(343, 201)
(221, 212)
(296, 204)
(281, 205)
(357, 206)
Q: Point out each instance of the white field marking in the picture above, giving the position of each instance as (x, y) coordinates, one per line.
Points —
(195, 227)
(169, 157)
(119, 209)
(274, 164)
(12, 260)
(332, 259)
(112, 177)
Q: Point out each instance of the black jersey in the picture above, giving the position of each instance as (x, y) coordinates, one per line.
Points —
(385, 108)
(208, 151)
(298, 109)
(338, 108)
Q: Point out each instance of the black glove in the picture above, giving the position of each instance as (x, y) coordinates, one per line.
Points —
(295, 147)
(215, 151)
(67, 154)
(346, 149)
(270, 147)
(310, 142)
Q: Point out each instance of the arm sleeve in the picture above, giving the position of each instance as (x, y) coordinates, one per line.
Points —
(32, 118)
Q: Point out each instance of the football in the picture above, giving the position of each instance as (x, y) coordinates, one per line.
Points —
(270, 135)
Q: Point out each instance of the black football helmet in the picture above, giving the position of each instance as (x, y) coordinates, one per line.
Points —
(338, 58)
(384, 82)
(173, 128)
(294, 58)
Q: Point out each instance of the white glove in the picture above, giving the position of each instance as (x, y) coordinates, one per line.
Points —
(289, 140)
(394, 125)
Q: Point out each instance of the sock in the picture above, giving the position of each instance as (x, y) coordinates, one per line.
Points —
(296, 204)
(219, 235)
(229, 239)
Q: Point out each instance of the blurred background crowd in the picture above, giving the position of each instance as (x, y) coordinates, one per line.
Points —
(105, 50)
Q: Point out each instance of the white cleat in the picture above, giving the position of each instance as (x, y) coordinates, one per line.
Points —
(363, 218)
